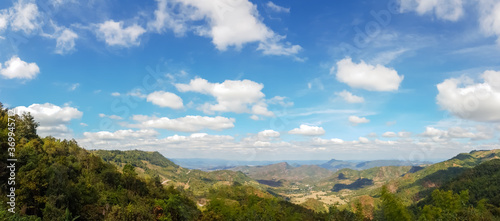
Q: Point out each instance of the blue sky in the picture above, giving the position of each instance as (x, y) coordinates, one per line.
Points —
(258, 80)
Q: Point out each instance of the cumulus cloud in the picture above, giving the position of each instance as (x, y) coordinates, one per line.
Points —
(4, 19)
(490, 18)
(308, 130)
(16, 68)
(113, 117)
(121, 135)
(321, 141)
(65, 41)
(65, 38)
(254, 147)
(368, 77)
(450, 10)
(404, 134)
(474, 101)
(196, 144)
(165, 99)
(230, 23)
(24, 16)
(389, 134)
(269, 133)
(457, 132)
(165, 19)
(355, 120)
(349, 97)
(238, 96)
(363, 140)
(114, 34)
(184, 124)
(281, 101)
(53, 119)
(277, 8)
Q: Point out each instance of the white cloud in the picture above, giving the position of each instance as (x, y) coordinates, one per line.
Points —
(113, 117)
(451, 10)
(65, 41)
(308, 130)
(24, 16)
(281, 101)
(255, 147)
(277, 8)
(434, 132)
(196, 144)
(116, 35)
(457, 132)
(84, 124)
(228, 22)
(261, 144)
(490, 17)
(363, 140)
(355, 120)
(474, 101)
(115, 94)
(239, 96)
(121, 134)
(16, 68)
(318, 140)
(165, 99)
(74, 86)
(65, 38)
(137, 93)
(184, 124)
(53, 119)
(4, 19)
(368, 77)
(269, 133)
(273, 46)
(389, 134)
(404, 134)
(349, 97)
(166, 19)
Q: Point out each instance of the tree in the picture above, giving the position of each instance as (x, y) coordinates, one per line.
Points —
(392, 208)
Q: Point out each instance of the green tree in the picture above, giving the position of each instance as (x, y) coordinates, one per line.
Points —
(392, 208)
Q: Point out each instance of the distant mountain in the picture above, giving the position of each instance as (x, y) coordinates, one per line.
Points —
(284, 171)
(220, 164)
(335, 165)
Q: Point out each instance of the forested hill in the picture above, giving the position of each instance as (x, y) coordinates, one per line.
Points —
(152, 164)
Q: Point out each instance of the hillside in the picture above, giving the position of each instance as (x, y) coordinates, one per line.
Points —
(412, 186)
(151, 164)
(286, 172)
(335, 165)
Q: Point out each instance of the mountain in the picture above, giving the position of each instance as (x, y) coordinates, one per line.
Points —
(335, 165)
(220, 164)
(284, 171)
(413, 186)
(151, 164)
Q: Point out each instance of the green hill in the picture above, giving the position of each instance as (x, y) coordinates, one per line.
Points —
(283, 171)
(151, 164)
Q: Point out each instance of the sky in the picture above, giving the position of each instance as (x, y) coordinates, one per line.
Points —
(258, 80)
